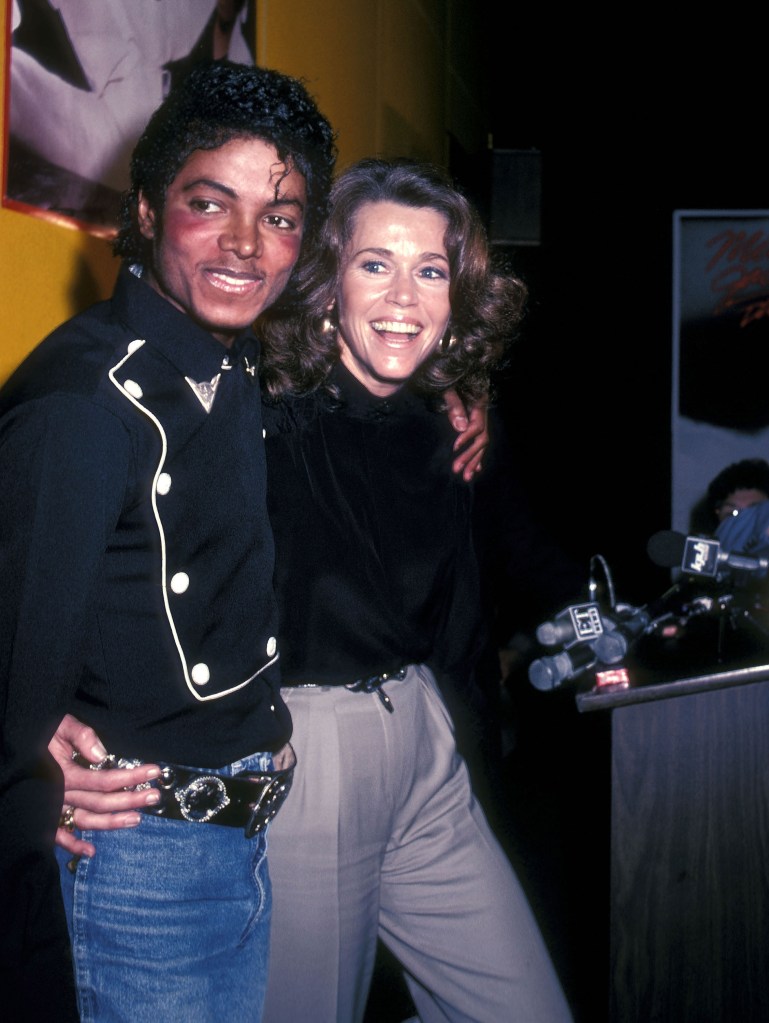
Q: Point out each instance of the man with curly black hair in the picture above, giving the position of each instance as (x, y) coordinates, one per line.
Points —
(138, 562)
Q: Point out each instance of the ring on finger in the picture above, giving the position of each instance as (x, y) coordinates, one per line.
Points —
(67, 818)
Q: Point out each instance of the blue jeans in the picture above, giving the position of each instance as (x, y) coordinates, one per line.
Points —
(169, 921)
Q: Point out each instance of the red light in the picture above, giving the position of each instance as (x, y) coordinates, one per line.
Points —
(614, 677)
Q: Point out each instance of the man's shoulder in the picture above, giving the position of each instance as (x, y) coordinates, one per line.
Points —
(74, 359)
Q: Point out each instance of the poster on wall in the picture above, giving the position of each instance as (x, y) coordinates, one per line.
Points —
(720, 405)
(82, 80)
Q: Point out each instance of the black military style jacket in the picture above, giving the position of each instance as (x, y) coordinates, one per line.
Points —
(134, 540)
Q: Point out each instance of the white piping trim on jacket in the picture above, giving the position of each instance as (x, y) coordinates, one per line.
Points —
(134, 347)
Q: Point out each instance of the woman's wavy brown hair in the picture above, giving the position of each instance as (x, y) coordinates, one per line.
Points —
(486, 303)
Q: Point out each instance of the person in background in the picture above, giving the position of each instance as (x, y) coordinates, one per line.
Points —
(738, 485)
(381, 621)
(739, 497)
(724, 619)
(735, 511)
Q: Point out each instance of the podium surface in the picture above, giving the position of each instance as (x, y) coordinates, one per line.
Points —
(689, 877)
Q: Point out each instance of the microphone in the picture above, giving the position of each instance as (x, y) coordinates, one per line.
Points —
(576, 629)
(699, 556)
(551, 672)
(575, 624)
(613, 645)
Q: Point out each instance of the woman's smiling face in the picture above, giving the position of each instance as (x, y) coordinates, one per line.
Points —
(393, 298)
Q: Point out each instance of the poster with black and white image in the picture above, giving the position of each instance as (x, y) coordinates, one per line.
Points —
(720, 406)
(82, 79)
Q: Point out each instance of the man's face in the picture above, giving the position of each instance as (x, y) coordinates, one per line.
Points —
(225, 243)
(738, 500)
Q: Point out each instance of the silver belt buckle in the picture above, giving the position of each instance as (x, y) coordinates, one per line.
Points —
(202, 798)
(267, 804)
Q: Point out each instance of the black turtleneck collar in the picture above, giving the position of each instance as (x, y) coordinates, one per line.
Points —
(359, 403)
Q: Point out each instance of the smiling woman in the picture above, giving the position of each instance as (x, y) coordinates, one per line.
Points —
(417, 223)
(393, 306)
(381, 626)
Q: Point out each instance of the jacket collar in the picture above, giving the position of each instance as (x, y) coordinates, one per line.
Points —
(187, 346)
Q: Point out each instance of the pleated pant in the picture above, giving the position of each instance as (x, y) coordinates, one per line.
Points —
(381, 836)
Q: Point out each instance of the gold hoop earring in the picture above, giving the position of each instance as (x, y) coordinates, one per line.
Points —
(447, 342)
(328, 326)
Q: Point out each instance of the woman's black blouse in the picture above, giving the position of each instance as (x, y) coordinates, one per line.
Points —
(375, 566)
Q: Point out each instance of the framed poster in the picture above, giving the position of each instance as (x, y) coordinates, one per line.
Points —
(720, 404)
(82, 79)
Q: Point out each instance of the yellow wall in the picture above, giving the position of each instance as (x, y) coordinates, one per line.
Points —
(393, 76)
(47, 272)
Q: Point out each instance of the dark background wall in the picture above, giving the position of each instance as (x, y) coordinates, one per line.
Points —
(629, 130)
(632, 123)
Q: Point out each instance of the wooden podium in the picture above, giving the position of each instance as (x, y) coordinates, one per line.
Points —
(689, 916)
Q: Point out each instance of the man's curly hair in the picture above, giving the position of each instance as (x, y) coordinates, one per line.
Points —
(219, 101)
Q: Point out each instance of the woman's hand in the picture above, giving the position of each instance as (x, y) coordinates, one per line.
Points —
(100, 799)
(473, 436)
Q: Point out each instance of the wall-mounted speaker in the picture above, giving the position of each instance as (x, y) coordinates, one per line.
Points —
(516, 197)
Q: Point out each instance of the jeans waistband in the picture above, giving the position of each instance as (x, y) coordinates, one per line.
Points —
(247, 800)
